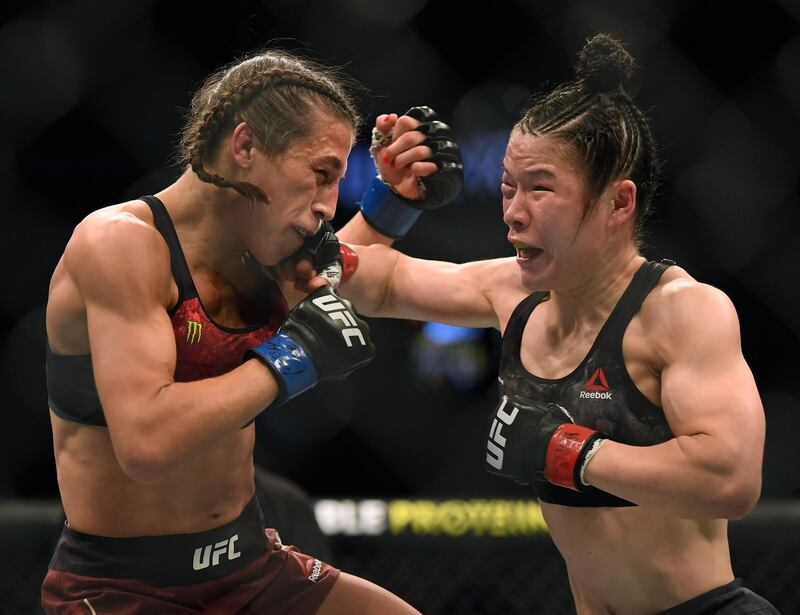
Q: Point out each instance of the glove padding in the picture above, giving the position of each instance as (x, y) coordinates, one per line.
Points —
(322, 339)
(445, 184)
(324, 250)
(530, 441)
(392, 214)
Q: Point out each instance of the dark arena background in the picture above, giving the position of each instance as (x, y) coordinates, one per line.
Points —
(392, 458)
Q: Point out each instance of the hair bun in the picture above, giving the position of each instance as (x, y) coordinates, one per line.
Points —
(604, 65)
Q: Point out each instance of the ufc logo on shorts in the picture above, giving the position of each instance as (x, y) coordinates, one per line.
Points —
(210, 554)
(497, 442)
(337, 311)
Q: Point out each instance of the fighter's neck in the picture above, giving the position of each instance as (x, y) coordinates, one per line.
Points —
(588, 303)
(203, 217)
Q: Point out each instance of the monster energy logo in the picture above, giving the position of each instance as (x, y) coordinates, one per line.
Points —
(193, 331)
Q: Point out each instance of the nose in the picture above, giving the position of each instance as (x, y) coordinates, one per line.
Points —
(324, 205)
(515, 216)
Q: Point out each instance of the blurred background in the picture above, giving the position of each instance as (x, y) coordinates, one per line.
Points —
(92, 101)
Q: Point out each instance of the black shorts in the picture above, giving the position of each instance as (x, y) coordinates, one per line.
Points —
(237, 568)
(730, 599)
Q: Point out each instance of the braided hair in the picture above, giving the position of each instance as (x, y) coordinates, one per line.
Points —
(274, 93)
(598, 116)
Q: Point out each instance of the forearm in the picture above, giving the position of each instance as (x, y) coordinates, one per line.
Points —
(184, 419)
(369, 287)
(691, 476)
(358, 231)
(391, 284)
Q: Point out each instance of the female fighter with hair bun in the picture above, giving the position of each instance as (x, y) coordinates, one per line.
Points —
(625, 399)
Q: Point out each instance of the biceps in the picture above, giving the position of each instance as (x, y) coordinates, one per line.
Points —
(133, 356)
(719, 399)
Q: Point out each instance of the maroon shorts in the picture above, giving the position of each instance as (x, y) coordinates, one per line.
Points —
(237, 568)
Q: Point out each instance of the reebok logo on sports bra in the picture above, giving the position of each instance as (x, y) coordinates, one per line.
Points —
(597, 387)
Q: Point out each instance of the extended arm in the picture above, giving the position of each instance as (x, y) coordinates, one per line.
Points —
(391, 284)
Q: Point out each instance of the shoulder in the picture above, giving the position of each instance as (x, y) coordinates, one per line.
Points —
(117, 244)
(682, 314)
(502, 285)
(680, 300)
(122, 226)
(497, 273)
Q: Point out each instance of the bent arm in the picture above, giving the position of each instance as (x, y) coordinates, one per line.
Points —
(712, 468)
(155, 423)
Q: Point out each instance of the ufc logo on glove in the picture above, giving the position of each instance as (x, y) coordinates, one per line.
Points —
(307, 348)
(497, 442)
(336, 310)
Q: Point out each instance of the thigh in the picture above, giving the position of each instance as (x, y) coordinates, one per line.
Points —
(64, 593)
(353, 595)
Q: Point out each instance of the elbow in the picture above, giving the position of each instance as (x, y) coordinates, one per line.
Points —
(737, 498)
(141, 443)
(142, 462)
(142, 474)
(732, 483)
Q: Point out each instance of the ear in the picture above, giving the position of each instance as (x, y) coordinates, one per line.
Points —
(242, 145)
(623, 196)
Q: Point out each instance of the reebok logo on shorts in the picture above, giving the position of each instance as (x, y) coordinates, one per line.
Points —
(596, 387)
(316, 569)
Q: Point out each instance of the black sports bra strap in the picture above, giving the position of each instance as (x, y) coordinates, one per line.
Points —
(180, 269)
(644, 280)
(519, 317)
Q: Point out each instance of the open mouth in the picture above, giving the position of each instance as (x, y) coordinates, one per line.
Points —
(304, 233)
(526, 252)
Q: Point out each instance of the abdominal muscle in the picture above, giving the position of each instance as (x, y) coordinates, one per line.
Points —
(100, 499)
(637, 560)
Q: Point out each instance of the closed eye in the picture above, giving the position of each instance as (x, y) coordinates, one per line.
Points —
(327, 177)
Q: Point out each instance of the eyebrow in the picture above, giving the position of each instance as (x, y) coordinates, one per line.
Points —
(331, 160)
(534, 172)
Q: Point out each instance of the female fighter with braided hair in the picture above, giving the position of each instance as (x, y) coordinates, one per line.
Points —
(626, 401)
(166, 339)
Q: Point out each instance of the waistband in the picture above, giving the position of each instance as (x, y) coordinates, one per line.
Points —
(708, 602)
(164, 561)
